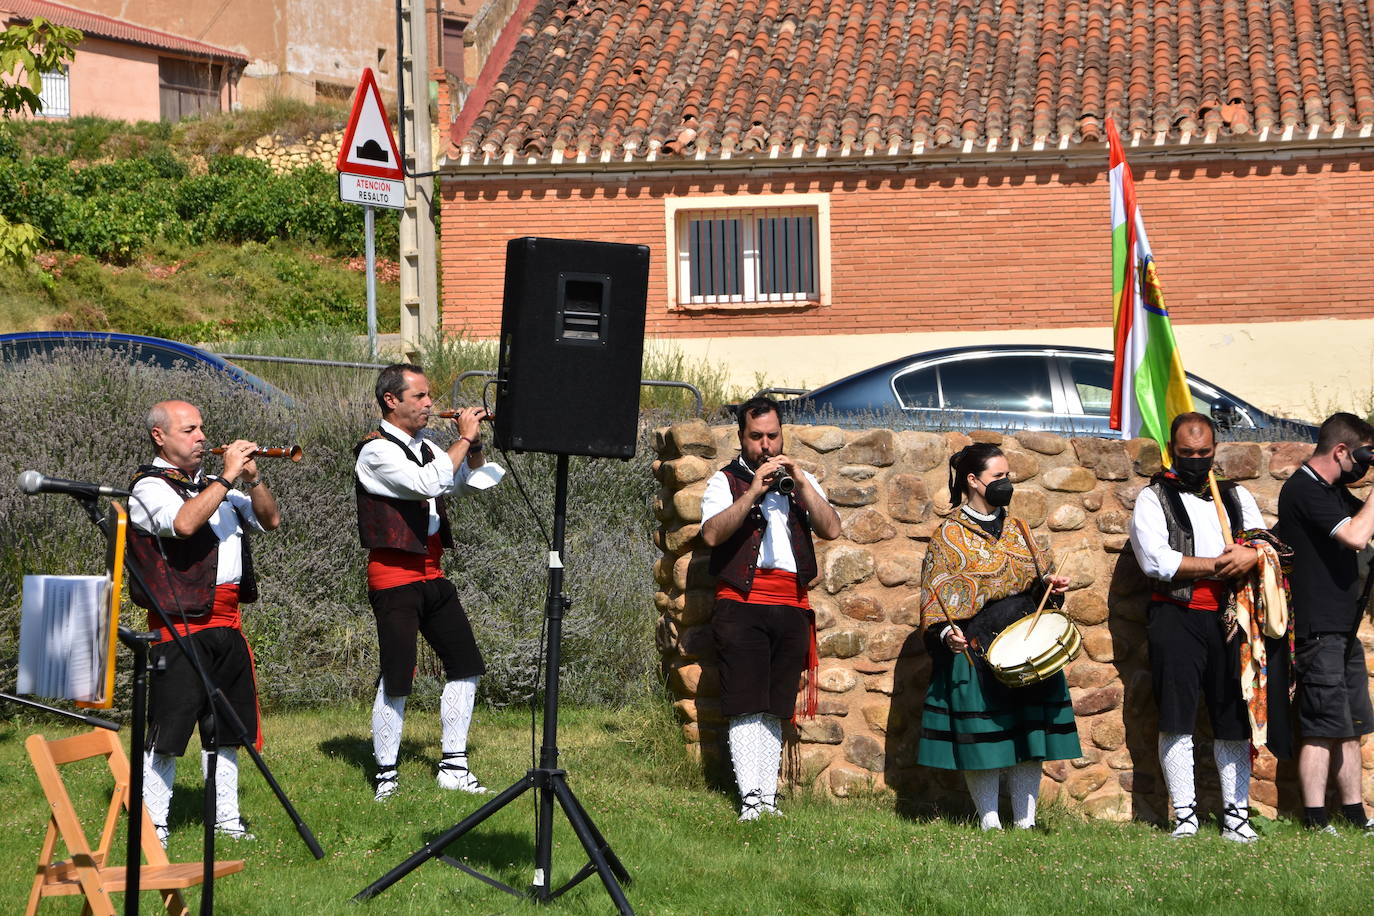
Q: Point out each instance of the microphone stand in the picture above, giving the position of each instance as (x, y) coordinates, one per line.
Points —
(138, 642)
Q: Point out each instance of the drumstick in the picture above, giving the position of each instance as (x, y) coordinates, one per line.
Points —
(950, 620)
(1049, 588)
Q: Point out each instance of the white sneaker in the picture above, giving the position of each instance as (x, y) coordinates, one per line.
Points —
(1235, 825)
(387, 782)
(454, 775)
(1185, 822)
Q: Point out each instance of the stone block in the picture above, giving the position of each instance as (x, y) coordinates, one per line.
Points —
(1107, 457)
(663, 571)
(888, 643)
(864, 751)
(1030, 505)
(1087, 781)
(1083, 672)
(853, 495)
(846, 781)
(858, 472)
(1092, 500)
(909, 611)
(1108, 731)
(1044, 443)
(862, 607)
(825, 609)
(877, 447)
(687, 502)
(696, 643)
(1068, 479)
(1287, 457)
(1097, 642)
(678, 539)
(821, 439)
(836, 680)
(683, 680)
(1127, 493)
(1087, 608)
(1145, 456)
(1115, 543)
(867, 526)
(820, 731)
(920, 450)
(898, 569)
(1097, 700)
(844, 566)
(908, 499)
(840, 642)
(1112, 805)
(1114, 521)
(1239, 460)
(876, 714)
(1067, 517)
(685, 711)
(987, 436)
(697, 606)
(690, 437)
(1021, 465)
(812, 761)
(831, 706)
(682, 471)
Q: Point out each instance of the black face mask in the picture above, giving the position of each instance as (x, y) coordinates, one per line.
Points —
(1192, 472)
(998, 493)
(1357, 470)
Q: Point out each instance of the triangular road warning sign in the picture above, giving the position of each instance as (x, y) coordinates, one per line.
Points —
(369, 148)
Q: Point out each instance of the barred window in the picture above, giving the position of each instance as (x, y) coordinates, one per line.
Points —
(753, 255)
(56, 97)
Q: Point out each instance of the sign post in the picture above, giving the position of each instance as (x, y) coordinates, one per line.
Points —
(370, 174)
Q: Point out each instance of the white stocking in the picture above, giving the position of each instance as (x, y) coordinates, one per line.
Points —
(226, 786)
(1023, 785)
(982, 786)
(1233, 768)
(1176, 759)
(455, 713)
(159, 770)
(770, 762)
(388, 715)
(748, 748)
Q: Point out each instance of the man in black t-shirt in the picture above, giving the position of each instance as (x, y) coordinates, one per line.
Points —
(1326, 525)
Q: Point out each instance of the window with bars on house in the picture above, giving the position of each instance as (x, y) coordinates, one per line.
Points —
(56, 95)
(748, 256)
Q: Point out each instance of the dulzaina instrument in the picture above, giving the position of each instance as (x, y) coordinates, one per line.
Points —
(293, 452)
(453, 415)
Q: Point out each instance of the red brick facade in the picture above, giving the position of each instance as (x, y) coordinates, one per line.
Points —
(967, 247)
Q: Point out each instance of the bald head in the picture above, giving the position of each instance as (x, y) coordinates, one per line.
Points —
(177, 433)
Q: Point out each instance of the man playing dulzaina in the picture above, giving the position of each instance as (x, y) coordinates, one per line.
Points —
(760, 530)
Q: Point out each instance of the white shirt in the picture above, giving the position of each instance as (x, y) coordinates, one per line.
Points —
(775, 551)
(154, 509)
(1150, 535)
(383, 471)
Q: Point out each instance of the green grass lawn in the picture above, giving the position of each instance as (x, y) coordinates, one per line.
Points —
(678, 838)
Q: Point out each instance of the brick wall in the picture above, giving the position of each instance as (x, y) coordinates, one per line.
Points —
(969, 248)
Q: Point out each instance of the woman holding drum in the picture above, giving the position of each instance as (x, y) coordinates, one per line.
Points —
(982, 574)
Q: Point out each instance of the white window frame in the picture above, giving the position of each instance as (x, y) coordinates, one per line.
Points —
(679, 211)
(53, 81)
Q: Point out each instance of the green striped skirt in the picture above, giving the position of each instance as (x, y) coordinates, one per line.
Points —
(977, 723)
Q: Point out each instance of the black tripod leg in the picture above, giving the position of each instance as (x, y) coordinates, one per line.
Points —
(590, 839)
(611, 858)
(434, 848)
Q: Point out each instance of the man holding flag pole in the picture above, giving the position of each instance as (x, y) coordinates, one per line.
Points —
(1190, 550)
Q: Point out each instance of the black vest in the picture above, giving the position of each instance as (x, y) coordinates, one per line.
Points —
(185, 583)
(385, 522)
(1181, 527)
(736, 560)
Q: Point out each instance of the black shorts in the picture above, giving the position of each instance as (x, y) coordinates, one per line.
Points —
(1190, 657)
(432, 609)
(762, 651)
(177, 702)
(1333, 686)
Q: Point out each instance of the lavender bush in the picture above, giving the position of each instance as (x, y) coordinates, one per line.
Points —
(80, 416)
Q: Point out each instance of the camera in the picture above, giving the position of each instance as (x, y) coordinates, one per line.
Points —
(783, 483)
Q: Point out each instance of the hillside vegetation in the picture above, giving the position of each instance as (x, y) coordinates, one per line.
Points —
(160, 229)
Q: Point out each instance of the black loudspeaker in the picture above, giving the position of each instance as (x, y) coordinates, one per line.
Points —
(572, 345)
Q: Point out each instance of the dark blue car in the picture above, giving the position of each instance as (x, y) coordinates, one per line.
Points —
(1064, 390)
(155, 351)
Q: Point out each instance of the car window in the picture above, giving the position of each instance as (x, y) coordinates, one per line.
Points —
(1092, 379)
(918, 389)
(1014, 383)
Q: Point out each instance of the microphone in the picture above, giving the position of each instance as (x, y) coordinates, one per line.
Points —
(32, 482)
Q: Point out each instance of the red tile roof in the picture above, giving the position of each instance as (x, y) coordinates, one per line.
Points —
(98, 26)
(636, 80)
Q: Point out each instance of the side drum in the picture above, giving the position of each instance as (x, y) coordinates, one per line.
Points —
(1021, 655)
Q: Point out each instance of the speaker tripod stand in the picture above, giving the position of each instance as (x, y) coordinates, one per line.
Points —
(547, 779)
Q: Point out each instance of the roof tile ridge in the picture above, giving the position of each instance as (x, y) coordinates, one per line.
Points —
(1092, 90)
(928, 85)
(1260, 78)
(1163, 66)
(711, 132)
(1338, 95)
(1187, 75)
(1047, 56)
(1021, 101)
(954, 73)
(1068, 103)
(798, 97)
(1361, 57)
(480, 99)
(1001, 72)
(1136, 115)
(829, 57)
(1236, 109)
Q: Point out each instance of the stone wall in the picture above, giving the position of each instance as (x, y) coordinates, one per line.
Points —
(891, 490)
(283, 155)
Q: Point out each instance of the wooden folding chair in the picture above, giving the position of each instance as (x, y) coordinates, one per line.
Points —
(87, 871)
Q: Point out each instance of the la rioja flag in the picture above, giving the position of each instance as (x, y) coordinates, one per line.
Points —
(1149, 387)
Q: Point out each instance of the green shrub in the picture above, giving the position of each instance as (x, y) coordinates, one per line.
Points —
(312, 631)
